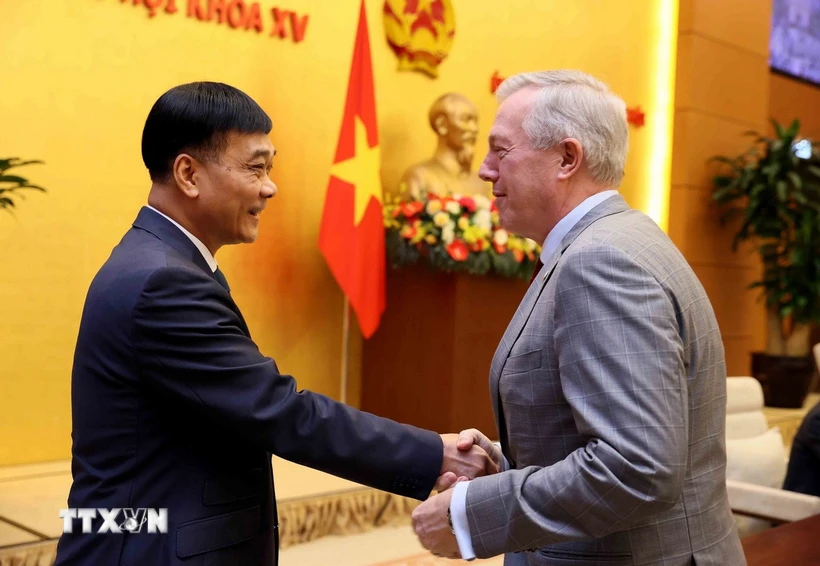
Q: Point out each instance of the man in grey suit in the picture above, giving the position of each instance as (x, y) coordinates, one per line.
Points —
(608, 386)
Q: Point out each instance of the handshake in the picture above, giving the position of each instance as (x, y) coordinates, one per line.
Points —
(467, 455)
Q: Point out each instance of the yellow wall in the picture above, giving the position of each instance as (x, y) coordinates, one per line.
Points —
(722, 52)
(80, 76)
(790, 98)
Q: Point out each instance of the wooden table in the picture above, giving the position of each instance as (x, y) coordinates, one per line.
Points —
(792, 544)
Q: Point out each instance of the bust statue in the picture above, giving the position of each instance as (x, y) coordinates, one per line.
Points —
(454, 119)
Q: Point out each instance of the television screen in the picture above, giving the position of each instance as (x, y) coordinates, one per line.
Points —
(794, 45)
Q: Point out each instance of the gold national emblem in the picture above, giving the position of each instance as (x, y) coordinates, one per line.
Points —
(420, 32)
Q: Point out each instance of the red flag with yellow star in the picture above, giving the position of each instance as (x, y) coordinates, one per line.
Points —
(352, 233)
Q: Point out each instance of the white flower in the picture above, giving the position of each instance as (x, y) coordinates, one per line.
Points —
(441, 218)
(482, 219)
(448, 233)
(481, 202)
(501, 237)
(453, 207)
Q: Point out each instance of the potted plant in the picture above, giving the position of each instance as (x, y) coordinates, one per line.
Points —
(11, 184)
(774, 189)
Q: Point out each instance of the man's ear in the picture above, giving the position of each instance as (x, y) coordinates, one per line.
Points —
(441, 124)
(572, 156)
(186, 172)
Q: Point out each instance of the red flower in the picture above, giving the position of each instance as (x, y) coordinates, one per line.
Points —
(458, 250)
(500, 248)
(518, 255)
(493, 207)
(475, 247)
(467, 203)
(635, 116)
(410, 209)
(408, 232)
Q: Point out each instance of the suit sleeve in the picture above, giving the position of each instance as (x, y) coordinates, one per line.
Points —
(620, 360)
(191, 350)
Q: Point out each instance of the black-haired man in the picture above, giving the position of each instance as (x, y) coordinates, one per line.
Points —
(174, 407)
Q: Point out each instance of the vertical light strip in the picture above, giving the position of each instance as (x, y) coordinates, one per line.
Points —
(659, 169)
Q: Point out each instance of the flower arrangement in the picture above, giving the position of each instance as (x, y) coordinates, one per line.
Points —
(457, 233)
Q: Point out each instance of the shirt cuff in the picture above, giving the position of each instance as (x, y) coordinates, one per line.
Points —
(458, 514)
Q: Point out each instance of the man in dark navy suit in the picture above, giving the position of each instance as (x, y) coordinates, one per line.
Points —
(174, 407)
(803, 473)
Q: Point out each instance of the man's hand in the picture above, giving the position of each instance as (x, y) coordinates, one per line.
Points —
(431, 526)
(473, 436)
(464, 464)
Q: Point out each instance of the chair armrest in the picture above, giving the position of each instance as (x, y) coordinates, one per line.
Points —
(769, 503)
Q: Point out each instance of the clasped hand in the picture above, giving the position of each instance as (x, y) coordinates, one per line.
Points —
(467, 455)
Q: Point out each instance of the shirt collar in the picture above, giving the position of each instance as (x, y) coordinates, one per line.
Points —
(199, 245)
(564, 225)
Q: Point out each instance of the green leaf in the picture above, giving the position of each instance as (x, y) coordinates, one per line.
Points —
(757, 190)
(793, 129)
(721, 159)
(13, 179)
(781, 191)
(779, 131)
(795, 179)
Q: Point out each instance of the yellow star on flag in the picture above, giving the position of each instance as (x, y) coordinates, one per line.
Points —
(361, 171)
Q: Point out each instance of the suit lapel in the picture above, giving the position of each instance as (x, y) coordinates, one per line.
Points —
(160, 227)
(519, 320)
(612, 205)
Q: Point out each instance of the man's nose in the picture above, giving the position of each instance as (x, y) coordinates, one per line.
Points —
(269, 189)
(487, 173)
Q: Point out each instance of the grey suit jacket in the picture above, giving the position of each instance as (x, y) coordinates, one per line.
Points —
(609, 391)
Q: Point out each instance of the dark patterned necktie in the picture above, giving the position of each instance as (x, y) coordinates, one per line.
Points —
(221, 278)
(538, 265)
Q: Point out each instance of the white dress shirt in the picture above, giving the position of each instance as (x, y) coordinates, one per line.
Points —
(458, 504)
(199, 245)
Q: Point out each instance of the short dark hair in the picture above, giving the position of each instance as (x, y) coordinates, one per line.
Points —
(196, 118)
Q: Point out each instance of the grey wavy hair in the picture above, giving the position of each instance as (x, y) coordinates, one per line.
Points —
(573, 104)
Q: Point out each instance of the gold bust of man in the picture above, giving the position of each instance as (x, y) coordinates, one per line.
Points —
(454, 119)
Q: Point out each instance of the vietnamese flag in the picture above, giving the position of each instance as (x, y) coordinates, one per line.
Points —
(351, 236)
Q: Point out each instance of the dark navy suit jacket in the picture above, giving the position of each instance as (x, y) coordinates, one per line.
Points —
(174, 407)
(803, 473)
